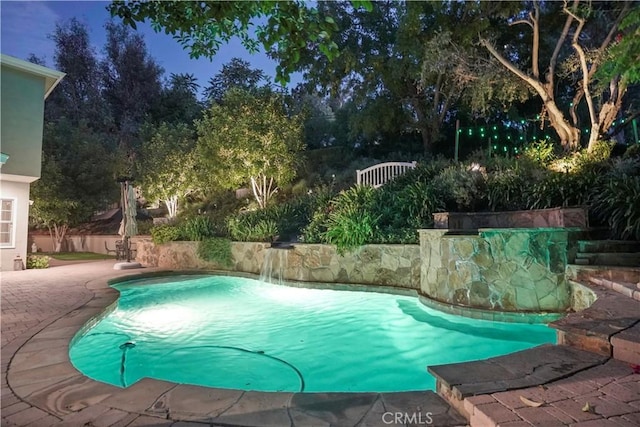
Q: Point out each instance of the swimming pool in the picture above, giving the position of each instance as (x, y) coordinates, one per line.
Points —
(240, 333)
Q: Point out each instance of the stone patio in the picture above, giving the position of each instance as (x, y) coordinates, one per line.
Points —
(43, 309)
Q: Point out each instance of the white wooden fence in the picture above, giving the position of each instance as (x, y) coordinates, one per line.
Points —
(378, 175)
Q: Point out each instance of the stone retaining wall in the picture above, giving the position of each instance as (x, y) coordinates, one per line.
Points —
(507, 270)
(390, 265)
(498, 269)
(553, 217)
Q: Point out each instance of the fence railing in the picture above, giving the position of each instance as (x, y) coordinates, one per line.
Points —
(378, 175)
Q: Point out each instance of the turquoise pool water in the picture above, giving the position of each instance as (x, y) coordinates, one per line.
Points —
(240, 333)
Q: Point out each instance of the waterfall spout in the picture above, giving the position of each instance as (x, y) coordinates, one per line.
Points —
(274, 264)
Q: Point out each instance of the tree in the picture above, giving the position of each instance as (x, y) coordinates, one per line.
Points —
(77, 97)
(400, 64)
(131, 90)
(589, 29)
(288, 27)
(51, 207)
(235, 74)
(178, 101)
(76, 179)
(249, 139)
(166, 165)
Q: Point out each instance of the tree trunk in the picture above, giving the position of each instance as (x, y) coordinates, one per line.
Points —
(60, 234)
(263, 190)
(569, 135)
(172, 206)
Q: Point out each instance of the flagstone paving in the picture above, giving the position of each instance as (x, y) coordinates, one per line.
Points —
(43, 309)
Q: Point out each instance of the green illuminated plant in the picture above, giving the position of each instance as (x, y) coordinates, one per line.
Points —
(164, 233)
(616, 199)
(37, 261)
(197, 228)
(216, 249)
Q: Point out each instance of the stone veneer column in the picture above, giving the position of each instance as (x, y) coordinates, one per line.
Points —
(498, 269)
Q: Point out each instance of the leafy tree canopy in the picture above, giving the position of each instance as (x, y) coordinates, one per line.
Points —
(235, 74)
(201, 27)
(249, 139)
(166, 165)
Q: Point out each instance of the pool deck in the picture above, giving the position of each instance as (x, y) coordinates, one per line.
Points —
(43, 309)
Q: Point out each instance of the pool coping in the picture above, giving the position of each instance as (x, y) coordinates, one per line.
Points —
(41, 374)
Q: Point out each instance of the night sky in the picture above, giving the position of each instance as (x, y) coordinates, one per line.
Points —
(27, 24)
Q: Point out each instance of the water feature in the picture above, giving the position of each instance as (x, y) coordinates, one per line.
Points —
(240, 333)
(275, 263)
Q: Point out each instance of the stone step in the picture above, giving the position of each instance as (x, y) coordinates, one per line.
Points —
(582, 273)
(631, 290)
(626, 345)
(591, 246)
(591, 329)
(627, 259)
(527, 368)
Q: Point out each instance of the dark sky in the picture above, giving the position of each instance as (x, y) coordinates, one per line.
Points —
(26, 25)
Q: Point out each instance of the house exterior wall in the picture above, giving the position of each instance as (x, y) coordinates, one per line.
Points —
(19, 193)
(24, 87)
(22, 123)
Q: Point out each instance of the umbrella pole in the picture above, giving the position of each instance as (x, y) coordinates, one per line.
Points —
(125, 195)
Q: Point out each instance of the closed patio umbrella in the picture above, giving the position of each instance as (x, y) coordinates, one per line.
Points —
(128, 225)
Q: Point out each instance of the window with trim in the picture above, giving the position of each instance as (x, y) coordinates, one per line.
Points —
(7, 218)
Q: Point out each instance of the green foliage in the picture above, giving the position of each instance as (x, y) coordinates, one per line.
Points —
(237, 73)
(76, 178)
(249, 139)
(633, 151)
(197, 228)
(37, 261)
(164, 233)
(464, 188)
(505, 190)
(560, 189)
(616, 199)
(540, 153)
(348, 220)
(249, 228)
(622, 56)
(216, 249)
(288, 28)
(167, 164)
(349, 228)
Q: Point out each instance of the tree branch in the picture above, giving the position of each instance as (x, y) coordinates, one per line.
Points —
(535, 84)
(556, 52)
(607, 40)
(522, 21)
(535, 53)
(585, 69)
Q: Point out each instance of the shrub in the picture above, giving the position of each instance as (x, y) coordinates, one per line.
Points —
(616, 199)
(197, 228)
(37, 261)
(165, 233)
(463, 187)
(540, 153)
(251, 228)
(557, 189)
(348, 221)
(409, 207)
(216, 249)
(633, 151)
(349, 228)
(505, 190)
